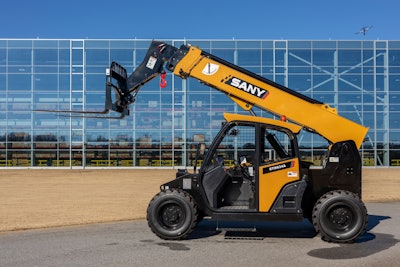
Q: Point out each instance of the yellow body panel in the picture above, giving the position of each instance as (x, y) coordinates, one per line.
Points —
(321, 118)
(272, 178)
(188, 62)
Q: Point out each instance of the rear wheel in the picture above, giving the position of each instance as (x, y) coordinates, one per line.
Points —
(172, 214)
(340, 216)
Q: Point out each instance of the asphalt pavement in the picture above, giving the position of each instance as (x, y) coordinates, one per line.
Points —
(131, 243)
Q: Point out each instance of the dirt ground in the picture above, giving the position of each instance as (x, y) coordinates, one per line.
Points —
(32, 198)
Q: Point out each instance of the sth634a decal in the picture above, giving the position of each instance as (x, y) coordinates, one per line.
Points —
(281, 166)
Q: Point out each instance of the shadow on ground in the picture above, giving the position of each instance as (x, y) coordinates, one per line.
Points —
(260, 230)
(256, 230)
(368, 244)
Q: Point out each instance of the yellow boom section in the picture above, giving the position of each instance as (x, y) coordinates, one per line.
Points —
(251, 90)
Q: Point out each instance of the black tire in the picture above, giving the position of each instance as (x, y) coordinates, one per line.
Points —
(340, 216)
(172, 214)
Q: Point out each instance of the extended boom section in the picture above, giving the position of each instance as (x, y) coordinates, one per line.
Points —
(244, 88)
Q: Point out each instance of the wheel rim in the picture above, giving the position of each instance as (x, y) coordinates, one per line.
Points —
(340, 218)
(171, 215)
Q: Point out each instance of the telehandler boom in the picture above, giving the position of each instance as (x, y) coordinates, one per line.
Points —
(252, 171)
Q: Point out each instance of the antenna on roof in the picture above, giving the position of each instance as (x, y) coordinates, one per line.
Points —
(364, 30)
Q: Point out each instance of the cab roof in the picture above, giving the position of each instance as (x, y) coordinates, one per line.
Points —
(294, 128)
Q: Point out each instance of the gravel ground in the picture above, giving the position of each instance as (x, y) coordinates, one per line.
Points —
(39, 198)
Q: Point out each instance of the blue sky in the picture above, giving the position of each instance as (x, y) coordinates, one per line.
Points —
(217, 19)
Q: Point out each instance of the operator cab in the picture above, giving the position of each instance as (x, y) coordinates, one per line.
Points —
(244, 156)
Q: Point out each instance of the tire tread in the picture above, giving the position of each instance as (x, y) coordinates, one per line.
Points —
(340, 194)
(188, 199)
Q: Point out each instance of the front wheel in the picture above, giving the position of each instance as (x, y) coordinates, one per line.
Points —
(340, 216)
(172, 214)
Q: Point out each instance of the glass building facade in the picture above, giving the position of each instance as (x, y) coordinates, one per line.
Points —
(359, 78)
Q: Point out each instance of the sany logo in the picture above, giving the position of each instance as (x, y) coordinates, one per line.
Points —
(247, 87)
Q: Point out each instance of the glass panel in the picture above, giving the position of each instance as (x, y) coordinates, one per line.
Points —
(299, 58)
(19, 57)
(121, 44)
(46, 82)
(324, 44)
(280, 44)
(77, 57)
(313, 147)
(267, 57)
(95, 83)
(148, 148)
(123, 57)
(141, 44)
(349, 57)
(97, 57)
(238, 142)
(19, 82)
(349, 44)
(323, 57)
(299, 82)
(299, 44)
(45, 57)
(225, 54)
(249, 57)
(368, 157)
(77, 82)
(280, 57)
(217, 44)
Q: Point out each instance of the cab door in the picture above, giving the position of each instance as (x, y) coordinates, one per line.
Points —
(278, 167)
